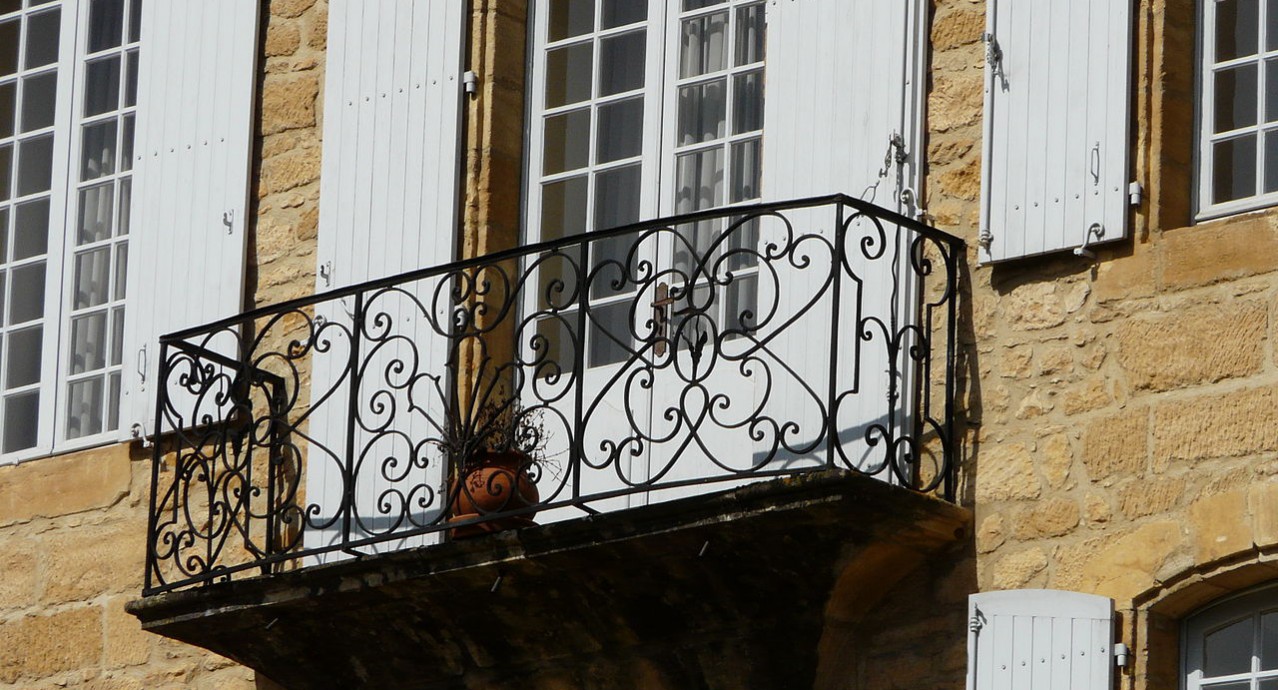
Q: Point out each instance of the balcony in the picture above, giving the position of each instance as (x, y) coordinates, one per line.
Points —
(777, 381)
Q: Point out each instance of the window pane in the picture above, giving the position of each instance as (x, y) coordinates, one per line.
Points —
(746, 170)
(6, 171)
(22, 363)
(621, 63)
(702, 112)
(741, 308)
(570, 18)
(750, 35)
(7, 6)
(8, 107)
(31, 229)
(113, 403)
(102, 86)
(126, 205)
(121, 271)
(1271, 162)
(617, 197)
(96, 207)
(35, 165)
(567, 142)
(689, 5)
(620, 130)
(705, 45)
(1234, 173)
(4, 251)
(568, 75)
(92, 278)
(98, 155)
(1237, 28)
(42, 39)
(20, 421)
(558, 343)
(88, 342)
(1236, 93)
(84, 408)
(9, 46)
(1269, 641)
(117, 336)
(126, 144)
(747, 103)
(699, 181)
(623, 12)
(1227, 650)
(39, 94)
(563, 208)
(131, 80)
(609, 334)
(106, 24)
(26, 294)
(135, 21)
(1271, 31)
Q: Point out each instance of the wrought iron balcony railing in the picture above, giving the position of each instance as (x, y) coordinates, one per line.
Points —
(578, 375)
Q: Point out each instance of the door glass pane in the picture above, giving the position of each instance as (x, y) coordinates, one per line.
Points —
(39, 93)
(22, 363)
(621, 63)
(689, 5)
(1234, 169)
(1236, 91)
(88, 342)
(7, 6)
(747, 103)
(35, 165)
(1271, 31)
(126, 205)
(746, 170)
(1237, 28)
(106, 24)
(135, 21)
(567, 142)
(92, 277)
(8, 108)
(9, 32)
(1227, 650)
(20, 421)
(556, 337)
(98, 155)
(699, 180)
(610, 338)
(750, 35)
(126, 144)
(4, 250)
(42, 39)
(570, 18)
(620, 130)
(102, 86)
(617, 197)
(704, 45)
(1271, 90)
(131, 80)
(563, 208)
(1271, 162)
(117, 336)
(1269, 641)
(84, 408)
(121, 271)
(31, 229)
(622, 12)
(6, 172)
(96, 204)
(26, 294)
(741, 309)
(568, 75)
(113, 402)
(702, 112)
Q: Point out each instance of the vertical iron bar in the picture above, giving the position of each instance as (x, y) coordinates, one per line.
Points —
(152, 567)
(348, 473)
(951, 366)
(272, 467)
(579, 368)
(836, 265)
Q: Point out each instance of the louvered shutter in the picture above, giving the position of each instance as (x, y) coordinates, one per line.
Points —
(843, 114)
(1056, 125)
(388, 205)
(1039, 639)
(196, 91)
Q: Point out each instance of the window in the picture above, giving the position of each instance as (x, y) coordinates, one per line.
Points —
(1233, 645)
(68, 91)
(1238, 113)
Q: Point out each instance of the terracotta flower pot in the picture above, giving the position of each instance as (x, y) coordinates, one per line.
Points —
(500, 483)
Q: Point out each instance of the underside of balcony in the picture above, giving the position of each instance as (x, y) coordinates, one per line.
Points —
(730, 590)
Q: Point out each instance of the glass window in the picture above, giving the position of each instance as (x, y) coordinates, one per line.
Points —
(1234, 643)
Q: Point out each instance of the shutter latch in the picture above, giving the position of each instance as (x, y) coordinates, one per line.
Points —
(1096, 230)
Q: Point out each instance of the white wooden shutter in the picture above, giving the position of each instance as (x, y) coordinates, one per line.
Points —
(1040, 639)
(191, 179)
(843, 114)
(1056, 125)
(388, 205)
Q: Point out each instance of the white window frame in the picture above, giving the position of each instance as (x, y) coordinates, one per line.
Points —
(60, 276)
(1205, 116)
(1251, 604)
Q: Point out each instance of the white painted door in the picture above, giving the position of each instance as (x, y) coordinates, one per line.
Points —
(388, 206)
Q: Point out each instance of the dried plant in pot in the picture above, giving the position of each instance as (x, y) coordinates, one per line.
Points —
(496, 453)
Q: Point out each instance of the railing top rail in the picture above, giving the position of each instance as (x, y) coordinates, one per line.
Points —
(865, 207)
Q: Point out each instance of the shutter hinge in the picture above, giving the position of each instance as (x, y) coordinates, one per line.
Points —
(228, 219)
(326, 273)
(1120, 655)
(976, 622)
(470, 82)
(1136, 193)
(985, 239)
(994, 58)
